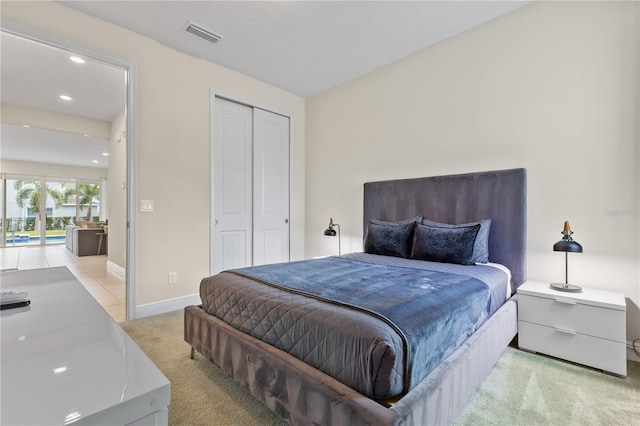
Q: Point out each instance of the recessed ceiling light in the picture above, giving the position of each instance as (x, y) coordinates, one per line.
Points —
(77, 60)
(106, 154)
(25, 125)
(86, 135)
(95, 161)
(65, 97)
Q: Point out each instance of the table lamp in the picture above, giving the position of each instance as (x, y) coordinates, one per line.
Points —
(567, 245)
(330, 232)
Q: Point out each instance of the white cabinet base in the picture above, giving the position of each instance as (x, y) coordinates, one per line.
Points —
(588, 328)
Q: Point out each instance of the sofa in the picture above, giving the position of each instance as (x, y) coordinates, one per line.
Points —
(86, 241)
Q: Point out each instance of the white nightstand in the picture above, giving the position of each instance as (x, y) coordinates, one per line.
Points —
(587, 328)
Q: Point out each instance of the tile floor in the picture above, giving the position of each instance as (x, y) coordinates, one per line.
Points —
(106, 286)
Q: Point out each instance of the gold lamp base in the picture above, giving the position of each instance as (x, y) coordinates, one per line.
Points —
(565, 287)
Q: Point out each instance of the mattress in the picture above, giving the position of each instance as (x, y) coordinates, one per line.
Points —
(364, 349)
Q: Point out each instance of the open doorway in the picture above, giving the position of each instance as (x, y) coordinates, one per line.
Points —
(67, 112)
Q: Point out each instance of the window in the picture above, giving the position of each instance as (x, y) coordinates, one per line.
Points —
(32, 213)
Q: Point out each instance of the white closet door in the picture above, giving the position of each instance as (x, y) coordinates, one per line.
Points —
(270, 187)
(232, 181)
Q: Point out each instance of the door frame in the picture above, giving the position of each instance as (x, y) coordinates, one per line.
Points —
(213, 94)
(130, 108)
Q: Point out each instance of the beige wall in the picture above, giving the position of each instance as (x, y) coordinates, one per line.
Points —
(552, 87)
(172, 144)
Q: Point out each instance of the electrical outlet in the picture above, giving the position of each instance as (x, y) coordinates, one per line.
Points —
(173, 277)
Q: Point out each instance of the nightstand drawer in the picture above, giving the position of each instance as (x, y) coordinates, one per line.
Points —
(573, 316)
(599, 353)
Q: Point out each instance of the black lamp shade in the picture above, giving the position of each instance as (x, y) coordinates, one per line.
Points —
(568, 246)
(330, 232)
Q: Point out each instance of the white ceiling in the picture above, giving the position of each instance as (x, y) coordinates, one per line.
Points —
(45, 146)
(303, 47)
(33, 74)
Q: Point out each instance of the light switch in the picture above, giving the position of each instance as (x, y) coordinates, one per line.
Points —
(146, 206)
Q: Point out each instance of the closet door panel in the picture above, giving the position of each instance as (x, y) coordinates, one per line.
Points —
(270, 187)
(234, 249)
(232, 181)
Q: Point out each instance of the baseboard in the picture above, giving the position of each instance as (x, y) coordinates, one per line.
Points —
(166, 306)
(115, 268)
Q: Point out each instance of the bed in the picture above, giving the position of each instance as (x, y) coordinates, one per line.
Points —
(249, 318)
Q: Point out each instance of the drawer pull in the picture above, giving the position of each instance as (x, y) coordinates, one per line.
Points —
(566, 301)
(565, 331)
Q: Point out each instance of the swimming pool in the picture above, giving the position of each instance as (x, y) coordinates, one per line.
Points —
(29, 239)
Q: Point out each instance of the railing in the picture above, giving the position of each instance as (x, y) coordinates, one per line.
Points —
(27, 224)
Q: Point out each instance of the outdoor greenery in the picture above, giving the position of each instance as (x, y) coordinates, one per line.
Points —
(87, 194)
(37, 233)
(28, 195)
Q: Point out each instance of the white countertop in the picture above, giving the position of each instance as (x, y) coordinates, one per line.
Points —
(65, 360)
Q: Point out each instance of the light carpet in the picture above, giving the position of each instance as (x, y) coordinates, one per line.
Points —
(201, 393)
(522, 389)
(529, 389)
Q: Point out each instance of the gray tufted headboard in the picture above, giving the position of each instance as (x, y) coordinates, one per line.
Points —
(500, 195)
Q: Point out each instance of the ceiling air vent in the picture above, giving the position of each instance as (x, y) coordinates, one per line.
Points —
(202, 32)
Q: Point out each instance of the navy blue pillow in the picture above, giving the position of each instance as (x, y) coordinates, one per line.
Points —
(448, 245)
(481, 246)
(390, 238)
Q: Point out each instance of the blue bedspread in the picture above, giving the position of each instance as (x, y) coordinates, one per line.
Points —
(434, 312)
